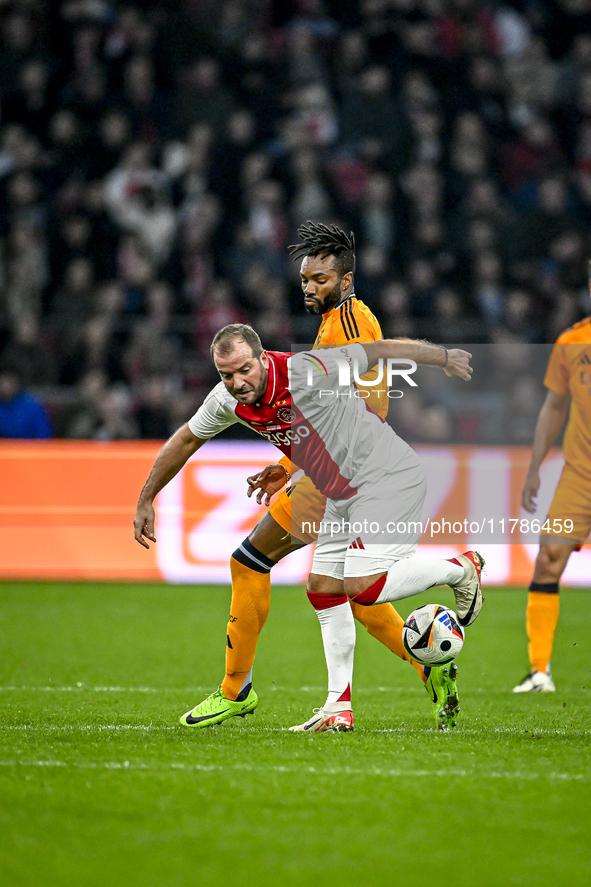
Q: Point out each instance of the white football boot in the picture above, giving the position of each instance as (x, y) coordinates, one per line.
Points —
(468, 592)
(332, 718)
(536, 682)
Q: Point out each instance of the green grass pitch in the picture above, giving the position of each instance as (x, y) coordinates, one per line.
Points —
(100, 786)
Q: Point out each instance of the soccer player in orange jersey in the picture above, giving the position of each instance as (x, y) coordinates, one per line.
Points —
(327, 282)
(568, 380)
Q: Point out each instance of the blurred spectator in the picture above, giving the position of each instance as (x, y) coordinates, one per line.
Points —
(91, 386)
(304, 62)
(105, 414)
(201, 97)
(394, 310)
(551, 215)
(426, 124)
(453, 321)
(101, 339)
(135, 196)
(468, 153)
(218, 309)
(312, 121)
(532, 81)
(142, 100)
(85, 94)
(519, 317)
(422, 185)
(27, 275)
(240, 139)
(534, 153)
(422, 280)
(371, 119)
(377, 223)
(29, 105)
(22, 415)
(114, 134)
(16, 48)
(524, 405)
(312, 198)
(436, 424)
(153, 414)
(486, 96)
(487, 285)
(372, 270)
(565, 313)
(71, 306)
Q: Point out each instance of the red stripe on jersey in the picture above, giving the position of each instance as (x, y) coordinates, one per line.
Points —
(310, 453)
(298, 440)
(272, 383)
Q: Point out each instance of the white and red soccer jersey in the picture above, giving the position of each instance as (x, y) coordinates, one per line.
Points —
(323, 426)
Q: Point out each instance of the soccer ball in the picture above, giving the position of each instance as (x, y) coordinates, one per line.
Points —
(433, 635)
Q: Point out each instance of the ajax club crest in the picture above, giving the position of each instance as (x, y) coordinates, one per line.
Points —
(286, 414)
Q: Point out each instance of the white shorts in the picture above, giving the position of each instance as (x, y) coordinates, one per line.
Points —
(381, 524)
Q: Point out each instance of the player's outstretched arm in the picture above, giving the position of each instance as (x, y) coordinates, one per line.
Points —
(550, 421)
(454, 361)
(174, 454)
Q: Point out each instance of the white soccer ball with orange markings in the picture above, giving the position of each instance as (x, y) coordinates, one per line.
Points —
(433, 635)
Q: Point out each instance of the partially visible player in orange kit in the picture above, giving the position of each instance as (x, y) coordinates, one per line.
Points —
(568, 379)
(327, 282)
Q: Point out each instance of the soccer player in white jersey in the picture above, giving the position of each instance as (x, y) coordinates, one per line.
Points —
(369, 475)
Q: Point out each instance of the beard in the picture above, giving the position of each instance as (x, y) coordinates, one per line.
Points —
(324, 305)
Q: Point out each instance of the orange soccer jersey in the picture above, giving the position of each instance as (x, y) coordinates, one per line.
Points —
(569, 373)
(352, 321)
(349, 322)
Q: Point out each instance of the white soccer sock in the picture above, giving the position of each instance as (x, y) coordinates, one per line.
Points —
(338, 636)
(411, 575)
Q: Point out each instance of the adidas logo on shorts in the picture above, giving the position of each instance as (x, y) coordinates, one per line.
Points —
(357, 543)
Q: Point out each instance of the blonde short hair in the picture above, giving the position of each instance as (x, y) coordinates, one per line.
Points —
(224, 341)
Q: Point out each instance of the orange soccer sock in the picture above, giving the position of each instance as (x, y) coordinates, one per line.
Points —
(251, 599)
(384, 623)
(541, 620)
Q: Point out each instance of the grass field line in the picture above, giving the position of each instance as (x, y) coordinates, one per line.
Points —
(86, 728)
(403, 731)
(80, 687)
(393, 772)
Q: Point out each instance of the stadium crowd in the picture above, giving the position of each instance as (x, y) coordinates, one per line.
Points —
(157, 158)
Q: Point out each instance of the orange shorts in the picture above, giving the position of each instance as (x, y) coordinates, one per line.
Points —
(299, 510)
(569, 514)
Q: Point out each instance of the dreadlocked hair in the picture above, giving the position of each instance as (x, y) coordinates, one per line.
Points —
(324, 240)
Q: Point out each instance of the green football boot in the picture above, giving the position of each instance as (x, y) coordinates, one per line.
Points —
(443, 692)
(216, 708)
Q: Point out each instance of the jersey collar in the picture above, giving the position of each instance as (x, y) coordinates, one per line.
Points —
(346, 299)
(271, 390)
